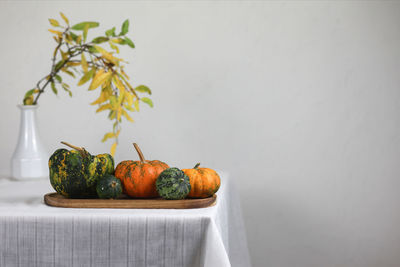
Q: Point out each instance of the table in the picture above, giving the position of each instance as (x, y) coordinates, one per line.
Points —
(34, 234)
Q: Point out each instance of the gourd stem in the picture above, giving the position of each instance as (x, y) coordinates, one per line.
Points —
(81, 150)
(196, 166)
(72, 146)
(139, 152)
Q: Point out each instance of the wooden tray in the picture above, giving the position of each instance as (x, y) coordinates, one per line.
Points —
(57, 200)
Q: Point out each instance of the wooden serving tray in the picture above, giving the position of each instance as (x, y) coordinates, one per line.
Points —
(57, 200)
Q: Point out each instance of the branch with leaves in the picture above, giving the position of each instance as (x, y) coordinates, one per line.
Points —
(75, 56)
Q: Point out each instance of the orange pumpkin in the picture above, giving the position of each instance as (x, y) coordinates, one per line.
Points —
(139, 177)
(204, 181)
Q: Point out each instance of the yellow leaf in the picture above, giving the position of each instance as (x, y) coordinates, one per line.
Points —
(78, 39)
(126, 115)
(107, 55)
(118, 41)
(123, 73)
(56, 32)
(113, 101)
(72, 64)
(104, 107)
(129, 86)
(119, 84)
(113, 148)
(84, 63)
(29, 100)
(68, 38)
(114, 47)
(68, 72)
(107, 136)
(87, 76)
(100, 78)
(103, 97)
(112, 115)
(64, 55)
(136, 104)
(129, 99)
(55, 52)
(130, 108)
(54, 22)
(64, 18)
(119, 113)
(96, 76)
(121, 98)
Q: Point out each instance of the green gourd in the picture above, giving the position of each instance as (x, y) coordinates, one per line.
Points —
(173, 183)
(74, 174)
(109, 187)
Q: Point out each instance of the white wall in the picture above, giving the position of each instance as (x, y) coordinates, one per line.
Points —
(299, 101)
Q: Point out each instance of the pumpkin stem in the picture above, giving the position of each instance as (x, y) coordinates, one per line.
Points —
(139, 152)
(197, 165)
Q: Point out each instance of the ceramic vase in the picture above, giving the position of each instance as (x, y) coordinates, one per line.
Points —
(30, 158)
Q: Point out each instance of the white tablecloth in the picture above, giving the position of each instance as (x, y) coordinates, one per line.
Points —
(34, 234)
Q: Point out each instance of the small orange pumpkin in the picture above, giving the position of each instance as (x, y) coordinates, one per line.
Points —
(139, 177)
(205, 182)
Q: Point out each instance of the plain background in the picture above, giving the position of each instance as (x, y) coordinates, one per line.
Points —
(299, 101)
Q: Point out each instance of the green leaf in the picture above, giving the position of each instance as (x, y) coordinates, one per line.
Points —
(85, 78)
(66, 88)
(111, 114)
(111, 32)
(143, 89)
(147, 101)
(74, 36)
(53, 87)
(85, 31)
(58, 78)
(100, 39)
(92, 49)
(68, 72)
(59, 64)
(64, 85)
(30, 92)
(129, 42)
(125, 27)
(81, 26)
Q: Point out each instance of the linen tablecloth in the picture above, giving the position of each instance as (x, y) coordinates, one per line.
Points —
(34, 234)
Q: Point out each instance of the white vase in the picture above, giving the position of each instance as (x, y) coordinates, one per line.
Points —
(30, 158)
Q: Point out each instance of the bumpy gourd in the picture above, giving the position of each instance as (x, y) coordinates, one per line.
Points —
(173, 184)
(74, 173)
(139, 177)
